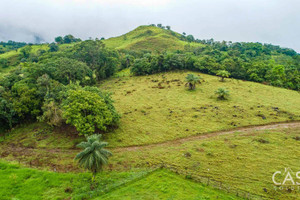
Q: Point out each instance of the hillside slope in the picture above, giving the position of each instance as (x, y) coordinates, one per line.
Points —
(158, 107)
(148, 38)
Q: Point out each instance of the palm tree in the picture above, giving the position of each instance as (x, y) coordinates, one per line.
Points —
(224, 74)
(94, 156)
(222, 93)
(191, 80)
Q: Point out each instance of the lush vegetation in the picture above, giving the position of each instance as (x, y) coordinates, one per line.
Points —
(50, 89)
(56, 99)
(271, 67)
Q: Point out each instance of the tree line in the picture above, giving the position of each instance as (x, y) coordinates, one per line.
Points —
(246, 62)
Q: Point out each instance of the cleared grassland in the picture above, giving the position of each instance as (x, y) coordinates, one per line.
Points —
(159, 108)
(165, 185)
(240, 163)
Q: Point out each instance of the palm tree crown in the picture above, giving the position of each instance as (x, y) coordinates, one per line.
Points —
(94, 156)
(222, 93)
(191, 80)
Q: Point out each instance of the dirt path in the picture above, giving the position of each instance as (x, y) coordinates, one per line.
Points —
(179, 141)
(47, 157)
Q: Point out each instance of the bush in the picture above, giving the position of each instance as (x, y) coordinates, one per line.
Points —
(87, 110)
(222, 93)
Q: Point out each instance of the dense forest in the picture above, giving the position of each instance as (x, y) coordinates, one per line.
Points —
(48, 85)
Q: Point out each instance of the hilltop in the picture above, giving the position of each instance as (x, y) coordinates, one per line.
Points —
(149, 38)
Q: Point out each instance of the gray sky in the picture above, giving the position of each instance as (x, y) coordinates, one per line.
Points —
(266, 21)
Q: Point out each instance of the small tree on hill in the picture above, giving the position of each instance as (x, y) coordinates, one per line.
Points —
(94, 156)
(190, 38)
(222, 93)
(191, 80)
(59, 40)
(223, 74)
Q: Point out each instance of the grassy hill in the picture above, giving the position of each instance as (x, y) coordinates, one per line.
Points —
(158, 107)
(148, 38)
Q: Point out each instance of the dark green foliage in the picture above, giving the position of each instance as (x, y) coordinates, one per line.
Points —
(126, 61)
(7, 113)
(102, 61)
(3, 62)
(190, 38)
(66, 39)
(53, 47)
(36, 90)
(59, 40)
(26, 51)
(247, 61)
(66, 70)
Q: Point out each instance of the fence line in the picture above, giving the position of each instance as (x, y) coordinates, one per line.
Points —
(213, 183)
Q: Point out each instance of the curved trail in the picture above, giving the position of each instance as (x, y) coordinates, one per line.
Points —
(179, 141)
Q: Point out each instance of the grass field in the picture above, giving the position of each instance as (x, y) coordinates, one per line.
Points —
(165, 185)
(30, 184)
(253, 156)
(240, 162)
(152, 115)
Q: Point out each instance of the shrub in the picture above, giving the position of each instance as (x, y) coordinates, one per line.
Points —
(87, 110)
(222, 93)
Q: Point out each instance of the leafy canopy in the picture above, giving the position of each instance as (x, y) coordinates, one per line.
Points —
(87, 110)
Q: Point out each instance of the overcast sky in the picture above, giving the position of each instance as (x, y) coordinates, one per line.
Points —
(266, 21)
